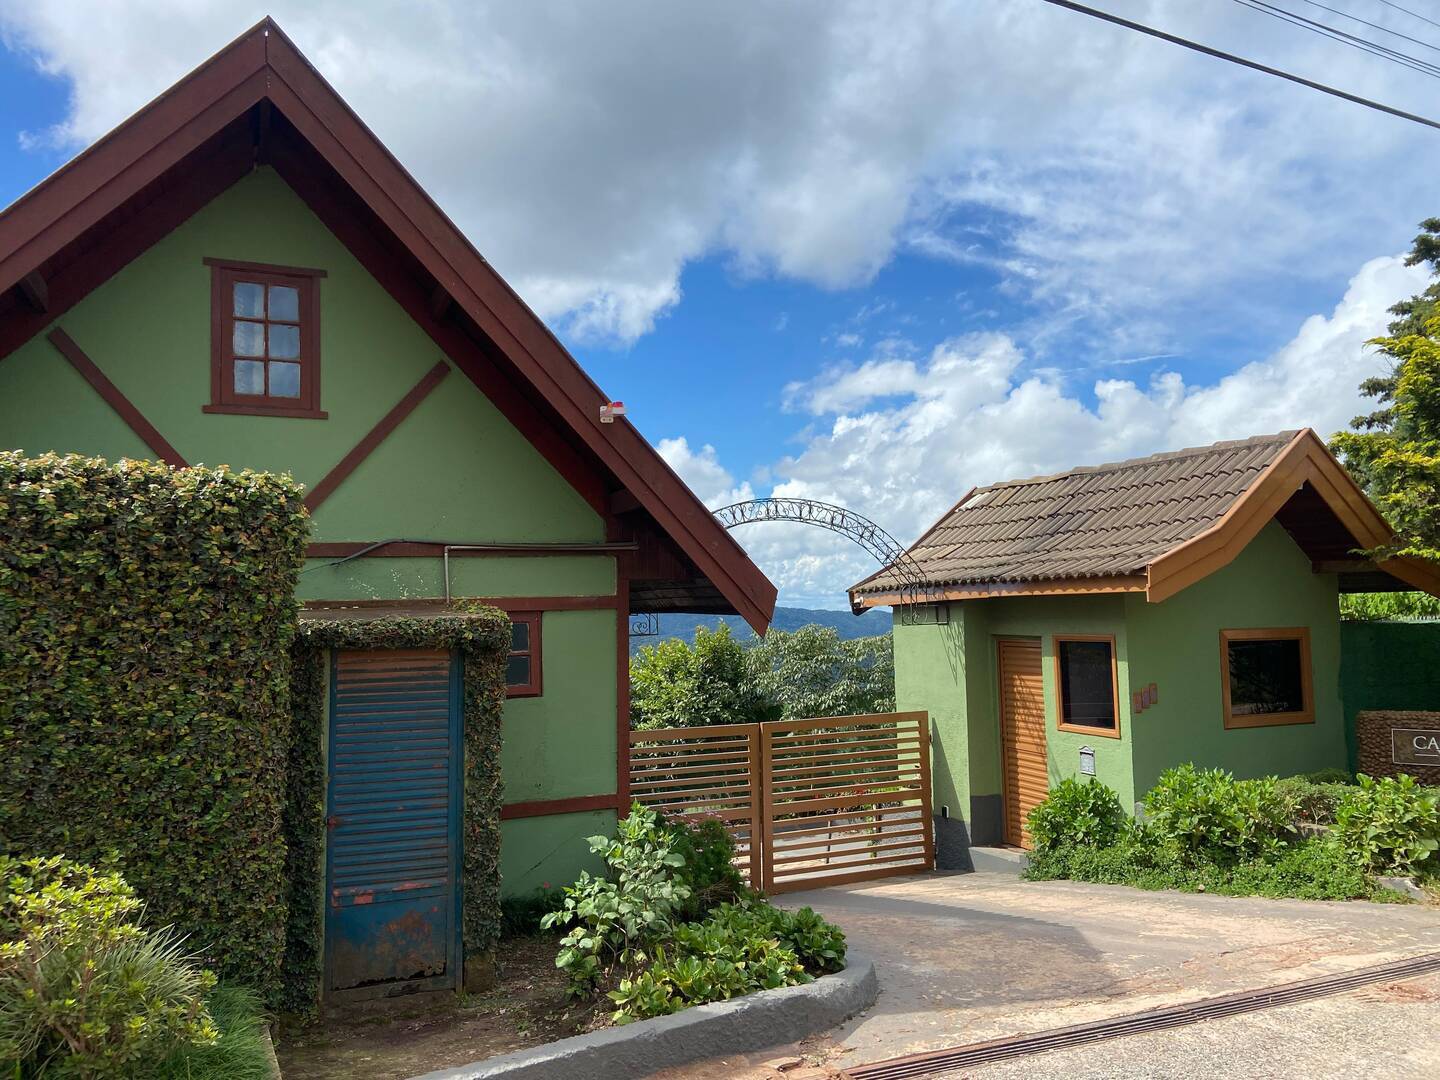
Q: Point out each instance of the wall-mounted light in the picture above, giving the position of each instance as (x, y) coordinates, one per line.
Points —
(609, 412)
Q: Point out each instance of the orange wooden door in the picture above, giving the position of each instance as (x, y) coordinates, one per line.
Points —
(1022, 735)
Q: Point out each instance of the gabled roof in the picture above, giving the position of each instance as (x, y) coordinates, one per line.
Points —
(1153, 525)
(260, 101)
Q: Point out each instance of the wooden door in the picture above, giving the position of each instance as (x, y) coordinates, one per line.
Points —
(1022, 735)
(394, 804)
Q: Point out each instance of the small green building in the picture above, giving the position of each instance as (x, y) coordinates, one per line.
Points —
(241, 274)
(1119, 619)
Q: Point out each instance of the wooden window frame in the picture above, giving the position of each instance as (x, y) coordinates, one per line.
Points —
(1307, 683)
(1086, 729)
(223, 399)
(536, 686)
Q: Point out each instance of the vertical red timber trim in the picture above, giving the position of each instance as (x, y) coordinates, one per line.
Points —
(115, 399)
(622, 690)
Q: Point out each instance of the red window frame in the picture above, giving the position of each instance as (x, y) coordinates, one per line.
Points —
(224, 275)
(535, 687)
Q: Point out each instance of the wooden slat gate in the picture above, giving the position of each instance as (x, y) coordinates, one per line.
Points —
(808, 802)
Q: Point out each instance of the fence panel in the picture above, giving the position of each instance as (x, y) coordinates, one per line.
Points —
(704, 770)
(845, 799)
(807, 802)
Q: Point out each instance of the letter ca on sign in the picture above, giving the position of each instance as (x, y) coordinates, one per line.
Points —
(1415, 746)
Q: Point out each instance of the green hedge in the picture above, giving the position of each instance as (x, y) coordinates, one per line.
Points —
(147, 615)
(482, 637)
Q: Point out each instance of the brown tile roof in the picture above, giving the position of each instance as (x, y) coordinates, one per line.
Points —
(1096, 521)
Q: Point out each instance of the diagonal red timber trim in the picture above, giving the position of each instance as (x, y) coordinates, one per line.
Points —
(116, 400)
(378, 434)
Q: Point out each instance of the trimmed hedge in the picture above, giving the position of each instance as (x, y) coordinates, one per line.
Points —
(146, 616)
(482, 637)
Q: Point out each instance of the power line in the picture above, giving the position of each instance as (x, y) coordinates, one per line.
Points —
(1373, 26)
(1195, 46)
(1407, 11)
(1344, 37)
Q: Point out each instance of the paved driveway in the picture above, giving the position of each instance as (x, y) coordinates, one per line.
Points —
(968, 957)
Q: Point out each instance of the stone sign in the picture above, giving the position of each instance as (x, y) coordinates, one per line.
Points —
(1414, 746)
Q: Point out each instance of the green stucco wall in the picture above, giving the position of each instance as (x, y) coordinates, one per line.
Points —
(1388, 665)
(540, 851)
(1177, 647)
(454, 470)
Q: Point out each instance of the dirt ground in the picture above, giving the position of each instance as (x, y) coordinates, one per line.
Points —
(437, 1031)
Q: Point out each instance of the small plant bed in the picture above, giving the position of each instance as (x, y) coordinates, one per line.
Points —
(86, 991)
(672, 925)
(528, 1006)
(1324, 836)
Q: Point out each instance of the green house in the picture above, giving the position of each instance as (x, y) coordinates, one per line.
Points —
(1119, 619)
(241, 274)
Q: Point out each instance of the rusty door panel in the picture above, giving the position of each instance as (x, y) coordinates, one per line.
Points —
(392, 855)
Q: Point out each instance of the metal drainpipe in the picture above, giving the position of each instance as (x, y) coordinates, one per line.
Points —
(578, 549)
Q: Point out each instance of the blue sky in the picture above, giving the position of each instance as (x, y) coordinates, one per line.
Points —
(868, 253)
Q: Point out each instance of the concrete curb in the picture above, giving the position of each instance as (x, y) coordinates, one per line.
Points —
(753, 1022)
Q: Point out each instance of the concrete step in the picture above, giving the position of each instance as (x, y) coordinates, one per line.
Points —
(1004, 860)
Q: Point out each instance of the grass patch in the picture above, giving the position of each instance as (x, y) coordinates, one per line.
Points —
(240, 1053)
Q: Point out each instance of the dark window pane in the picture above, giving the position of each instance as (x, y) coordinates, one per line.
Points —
(519, 636)
(284, 380)
(1087, 690)
(249, 299)
(284, 303)
(249, 338)
(249, 377)
(1265, 677)
(517, 671)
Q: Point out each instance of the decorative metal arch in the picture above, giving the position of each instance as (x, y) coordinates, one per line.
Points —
(881, 546)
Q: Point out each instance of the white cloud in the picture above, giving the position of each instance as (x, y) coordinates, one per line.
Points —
(907, 437)
(592, 150)
(702, 471)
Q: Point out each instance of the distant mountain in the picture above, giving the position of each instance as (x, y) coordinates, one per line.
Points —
(792, 618)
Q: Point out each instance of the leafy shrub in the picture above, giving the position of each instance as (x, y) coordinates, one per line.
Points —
(1314, 801)
(1077, 812)
(146, 615)
(84, 990)
(613, 918)
(1328, 776)
(1390, 825)
(1209, 816)
(1318, 869)
(740, 948)
(708, 869)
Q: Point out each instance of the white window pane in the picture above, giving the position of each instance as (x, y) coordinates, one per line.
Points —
(284, 303)
(249, 338)
(249, 299)
(285, 380)
(284, 342)
(249, 377)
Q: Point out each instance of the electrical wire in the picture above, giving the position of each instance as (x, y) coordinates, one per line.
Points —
(1407, 11)
(1253, 65)
(1373, 26)
(1344, 37)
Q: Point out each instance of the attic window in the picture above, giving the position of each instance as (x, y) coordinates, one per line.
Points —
(1265, 677)
(264, 340)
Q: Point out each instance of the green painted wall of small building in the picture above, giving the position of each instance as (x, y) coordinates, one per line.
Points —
(540, 851)
(950, 671)
(1177, 646)
(1387, 665)
(383, 577)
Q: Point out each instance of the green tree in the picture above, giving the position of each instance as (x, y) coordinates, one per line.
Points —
(813, 672)
(1394, 451)
(675, 684)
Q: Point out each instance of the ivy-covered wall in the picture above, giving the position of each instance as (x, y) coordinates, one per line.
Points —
(481, 635)
(146, 618)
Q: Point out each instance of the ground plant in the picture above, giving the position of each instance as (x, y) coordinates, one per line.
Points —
(85, 989)
(1079, 812)
(1322, 836)
(672, 925)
